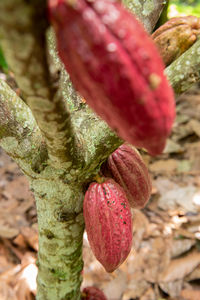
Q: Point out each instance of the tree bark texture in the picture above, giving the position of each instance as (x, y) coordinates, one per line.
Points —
(61, 226)
(185, 71)
(57, 141)
(147, 11)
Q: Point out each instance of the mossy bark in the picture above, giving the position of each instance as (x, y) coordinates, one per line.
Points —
(147, 11)
(61, 225)
(58, 142)
(185, 70)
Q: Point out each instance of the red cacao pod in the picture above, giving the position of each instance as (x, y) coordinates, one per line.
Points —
(126, 167)
(175, 36)
(116, 67)
(92, 293)
(108, 223)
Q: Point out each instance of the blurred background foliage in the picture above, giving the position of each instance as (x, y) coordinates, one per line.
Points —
(183, 8)
(3, 64)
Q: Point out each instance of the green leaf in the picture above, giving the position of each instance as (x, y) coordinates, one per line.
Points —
(3, 63)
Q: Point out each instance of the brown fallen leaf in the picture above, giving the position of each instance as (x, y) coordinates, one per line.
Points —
(190, 294)
(172, 147)
(20, 241)
(195, 125)
(180, 246)
(149, 295)
(179, 268)
(182, 131)
(6, 292)
(156, 256)
(140, 227)
(30, 235)
(7, 232)
(194, 274)
(22, 290)
(16, 253)
(136, 289)
(172, 288)
(8, 274)
(115, 288)
(179, 197)
(160, 166)
(183, 232)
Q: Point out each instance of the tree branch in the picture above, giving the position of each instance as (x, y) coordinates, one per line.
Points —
(148, 12)
(23, 27)
(19, 134)
(95, 139)
(185, 71)
(74, 100)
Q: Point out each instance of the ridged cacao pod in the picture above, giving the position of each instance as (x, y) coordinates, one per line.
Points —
(127, 168)
(116, 67)
(108, 223)
(176, 36)
(92, 293)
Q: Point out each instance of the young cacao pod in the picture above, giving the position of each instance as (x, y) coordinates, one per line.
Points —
(175, 36)
(126, 167)
(92, 293)
(108, 223)
(116, 67)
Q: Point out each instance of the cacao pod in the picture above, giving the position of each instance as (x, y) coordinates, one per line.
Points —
(116, 67)
(176, 36)
(108, 223)
(92, 293)
(126, 167)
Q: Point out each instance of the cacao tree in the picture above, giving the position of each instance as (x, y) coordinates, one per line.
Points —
(57, 140)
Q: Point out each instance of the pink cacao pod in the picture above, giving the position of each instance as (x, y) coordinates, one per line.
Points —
(126, 167)
(108, 223)
(116, 67)
(92, 293)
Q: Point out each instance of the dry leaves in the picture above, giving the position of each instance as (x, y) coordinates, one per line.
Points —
(164, 262)
(180, 267)
(18, 269)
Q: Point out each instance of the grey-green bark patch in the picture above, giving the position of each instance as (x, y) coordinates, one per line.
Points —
(147, 7)
(185, 71)
(61, 242)
(147, 11)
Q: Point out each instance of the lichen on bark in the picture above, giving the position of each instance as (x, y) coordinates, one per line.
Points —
(19, 133)
(185, 71)
(58, 142)
(65, 147)
(61, 225)
(147, 11)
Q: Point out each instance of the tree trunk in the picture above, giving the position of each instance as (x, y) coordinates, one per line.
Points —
(61, 227)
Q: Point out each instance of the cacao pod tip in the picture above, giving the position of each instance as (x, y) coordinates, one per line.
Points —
(92, 293)
(157, 149)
